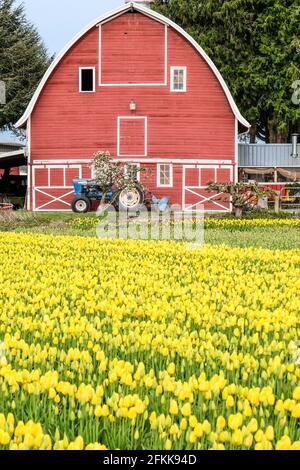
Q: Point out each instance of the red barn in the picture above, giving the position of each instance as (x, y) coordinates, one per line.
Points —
(136, 84)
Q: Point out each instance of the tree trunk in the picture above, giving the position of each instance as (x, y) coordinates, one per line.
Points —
(272, 128)
(238, 212)
(282, 136)
(252, 133)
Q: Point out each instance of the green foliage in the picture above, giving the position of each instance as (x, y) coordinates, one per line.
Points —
(23, 61)
(109, 172)
(240, 194)
(256, 46)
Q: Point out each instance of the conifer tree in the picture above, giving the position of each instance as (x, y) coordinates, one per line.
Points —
(23, 61)
(256, 46)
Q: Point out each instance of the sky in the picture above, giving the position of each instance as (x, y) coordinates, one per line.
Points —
(58, 21)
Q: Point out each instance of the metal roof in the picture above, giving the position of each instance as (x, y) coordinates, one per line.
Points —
(10, 143)
(13, 159)
(113, 14)
(267, 155)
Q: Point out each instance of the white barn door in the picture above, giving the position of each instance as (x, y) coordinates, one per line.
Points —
(195, 179)
(52, 186)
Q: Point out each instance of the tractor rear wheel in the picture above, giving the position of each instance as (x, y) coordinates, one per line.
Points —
(81, 204)
(130, 199)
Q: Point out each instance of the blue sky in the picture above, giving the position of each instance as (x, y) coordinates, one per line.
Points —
(59, 20)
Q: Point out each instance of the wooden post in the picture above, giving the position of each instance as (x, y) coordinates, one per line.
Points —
(277, 203)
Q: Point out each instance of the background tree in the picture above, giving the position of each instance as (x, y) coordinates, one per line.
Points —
(256, 46)
(23, 61)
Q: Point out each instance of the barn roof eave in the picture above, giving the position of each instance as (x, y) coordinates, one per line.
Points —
(114, 13)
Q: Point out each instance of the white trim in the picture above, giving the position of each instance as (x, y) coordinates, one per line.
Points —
(133, 84)
(54, 199)
(144, 160)
(100, 56)
(151, 14)
(172, 70)
(158, 183)
(236, 150)
(166, 54)
(145, 136)
(29, 164)
(40, 189)
(80, 79)
(203, 197)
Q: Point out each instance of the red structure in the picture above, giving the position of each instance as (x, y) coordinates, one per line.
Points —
(135, 84)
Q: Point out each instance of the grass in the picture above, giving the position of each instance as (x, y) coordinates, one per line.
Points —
(275, 236)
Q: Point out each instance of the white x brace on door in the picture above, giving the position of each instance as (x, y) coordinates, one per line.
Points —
(52, 186)
(195, 179)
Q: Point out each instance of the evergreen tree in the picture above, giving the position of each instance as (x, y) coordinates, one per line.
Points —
(23, 61)
(256, 46)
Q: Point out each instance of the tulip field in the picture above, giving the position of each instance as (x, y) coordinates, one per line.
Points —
(147, 345)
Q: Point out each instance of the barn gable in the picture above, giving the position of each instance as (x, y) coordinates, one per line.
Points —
(114, 14)
(135, 84)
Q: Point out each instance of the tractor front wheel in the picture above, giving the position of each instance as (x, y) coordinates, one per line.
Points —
(81, 204)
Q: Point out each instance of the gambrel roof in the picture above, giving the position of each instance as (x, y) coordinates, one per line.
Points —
(113, 14)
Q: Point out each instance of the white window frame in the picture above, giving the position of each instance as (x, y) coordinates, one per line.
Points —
(158, 181)
(177, 67)
(80, 79)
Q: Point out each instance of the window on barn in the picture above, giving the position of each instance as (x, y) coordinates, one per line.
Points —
(178, 79)
(87, 79)
(165, 175)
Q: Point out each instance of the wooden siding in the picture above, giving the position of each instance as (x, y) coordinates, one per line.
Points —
(199, 124)
(196, 124)
(132, 50)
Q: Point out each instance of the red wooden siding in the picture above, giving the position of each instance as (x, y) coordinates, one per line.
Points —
(196, 124)
(132, 137)
(67, 125)
(132, 50)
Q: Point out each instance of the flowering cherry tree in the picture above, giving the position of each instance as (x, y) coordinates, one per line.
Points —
(110, 173)
(240, 194)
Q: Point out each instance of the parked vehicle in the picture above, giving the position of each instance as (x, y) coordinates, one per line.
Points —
(87, 191)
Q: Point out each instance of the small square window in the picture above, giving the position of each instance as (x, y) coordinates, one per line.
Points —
(178, 79)
(164, 175)
(87, 79)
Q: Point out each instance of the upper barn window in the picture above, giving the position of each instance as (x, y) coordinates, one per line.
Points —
(87, 79)
(178, 79)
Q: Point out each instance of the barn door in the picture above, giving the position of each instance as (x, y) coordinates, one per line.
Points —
(53, 186)
(195, 181)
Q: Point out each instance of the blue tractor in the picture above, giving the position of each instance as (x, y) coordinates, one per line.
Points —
(87, 190)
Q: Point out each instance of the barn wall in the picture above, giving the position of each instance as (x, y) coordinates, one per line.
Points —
(67, 124)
